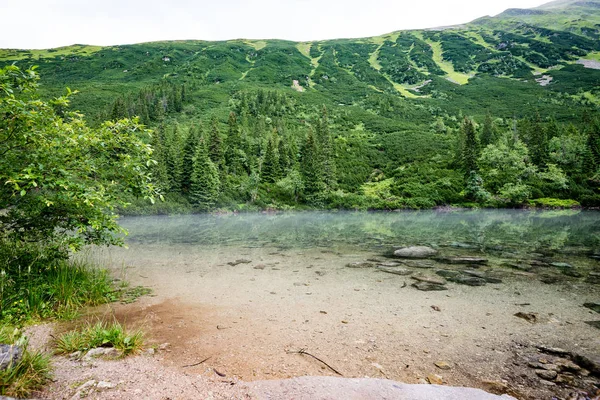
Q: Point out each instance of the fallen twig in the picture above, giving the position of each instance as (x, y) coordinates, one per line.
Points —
(302, 351)
(198, 363)
(219, 373)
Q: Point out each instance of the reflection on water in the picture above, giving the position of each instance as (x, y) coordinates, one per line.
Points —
(512, 231)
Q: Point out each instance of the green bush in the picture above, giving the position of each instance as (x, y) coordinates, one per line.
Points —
(554, 203)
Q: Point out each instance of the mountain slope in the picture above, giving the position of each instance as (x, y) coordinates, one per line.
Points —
(395, 102)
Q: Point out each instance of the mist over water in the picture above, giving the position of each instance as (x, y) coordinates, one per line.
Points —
(482, 231)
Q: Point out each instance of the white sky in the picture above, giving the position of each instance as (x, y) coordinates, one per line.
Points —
(52, 23)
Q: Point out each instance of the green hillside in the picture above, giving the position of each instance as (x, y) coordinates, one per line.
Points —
(497, 112)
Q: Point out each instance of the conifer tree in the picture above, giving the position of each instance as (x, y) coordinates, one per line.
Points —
(310, 165)
(119, 110)
(470, 148)
(284, 159)
(205, 184)
(536, 139)
(234, 155)
(215, 146)
(592, 159)
(270, 167)
(189, 153)
(325, 144)
(159, 170)
(488, 133)
(174, 158)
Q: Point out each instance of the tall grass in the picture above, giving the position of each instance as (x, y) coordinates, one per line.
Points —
(35, 285)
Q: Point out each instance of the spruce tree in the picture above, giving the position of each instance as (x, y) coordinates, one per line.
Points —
(174, 158)
(592, 159)
(284, 159)
(310, 167)
(488, 133)
(159, 170)
(270, 167)
(215, 146)
(470, 148)
(234, 156)
(325, 144)
(119, 110)
(536, 139)
(205, 184)
(189, 153)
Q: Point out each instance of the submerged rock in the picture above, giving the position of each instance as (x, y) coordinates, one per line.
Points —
(595, 324)
(429, 279)
(519, 266)
(482, 275)
(549, 279)
(240, 261)
(468, 280)
(463, 260)
(360, 264)
(428, 287)
(417, 264)
(10, 355)
(561, 265)
(461, 245)
(529, 317)
(447, 273)
(396, 271)
(387, 264)
(415, 252)
(593, 306)
(593, 278)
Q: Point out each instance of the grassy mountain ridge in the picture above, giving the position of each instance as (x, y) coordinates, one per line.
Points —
(395, 101)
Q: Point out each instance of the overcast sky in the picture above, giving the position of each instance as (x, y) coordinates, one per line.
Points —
(52, 23)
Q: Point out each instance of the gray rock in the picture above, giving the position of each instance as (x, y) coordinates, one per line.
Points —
(110, 352)
(519, 266)
(360, 264)
(593, 278)
(463, 260)
(429, 279)
(468, 280)
(448, 274)
(417, 264)
(240, 261)
(549, 279)
(482, 275)
(561, 265)
(428, 287)
(546, 374)
(395, 271)
(386, 264)
(415, 252)
(322, 388)
(10, 355)
(460, 245)
(106, 385)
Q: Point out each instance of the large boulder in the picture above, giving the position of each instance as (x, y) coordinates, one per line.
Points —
(415, 252)
(325, 388)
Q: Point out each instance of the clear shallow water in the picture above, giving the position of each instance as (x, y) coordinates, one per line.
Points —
(484, 231)
(294, 290)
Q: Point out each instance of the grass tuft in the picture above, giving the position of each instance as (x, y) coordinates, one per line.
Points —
(29, 374)
(101, 334)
